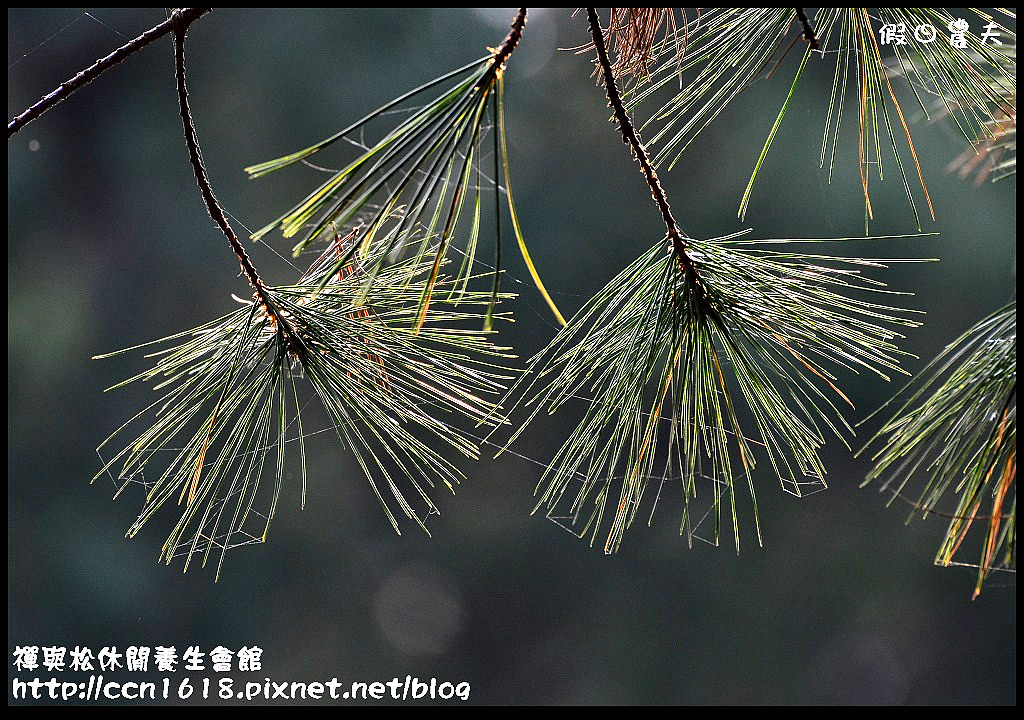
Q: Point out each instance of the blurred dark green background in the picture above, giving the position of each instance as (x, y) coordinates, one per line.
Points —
(109, 245)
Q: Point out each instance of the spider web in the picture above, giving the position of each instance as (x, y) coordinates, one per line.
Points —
(64, 29)
(213, 535)
(702, 505)
(207, 539)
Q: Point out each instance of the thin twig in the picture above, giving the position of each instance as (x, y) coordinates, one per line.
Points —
(508, 46)
(213, 206)
(924, 510)
(808, 30)
(69, 87)
(631, 137)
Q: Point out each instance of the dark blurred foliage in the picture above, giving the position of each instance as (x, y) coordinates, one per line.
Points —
(109, 245)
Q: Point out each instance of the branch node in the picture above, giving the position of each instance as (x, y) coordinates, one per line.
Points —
(809, 35)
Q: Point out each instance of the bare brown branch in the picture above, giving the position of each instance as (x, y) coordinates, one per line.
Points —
(631, 137)
(69, 87)
(181, 23)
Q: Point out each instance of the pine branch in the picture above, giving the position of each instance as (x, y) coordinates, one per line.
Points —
(181, 21)
(395, 397)
(63, 91)
(510, 43)
(631, 137)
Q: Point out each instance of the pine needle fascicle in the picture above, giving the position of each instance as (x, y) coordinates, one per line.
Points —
(991, 154)
(428, 167)
(954, 433)
(632, 34)
(729, 49)
(993, 157)
(689, 376)
(231, 396)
